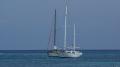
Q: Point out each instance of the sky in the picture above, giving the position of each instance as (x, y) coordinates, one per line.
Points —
(25, 24)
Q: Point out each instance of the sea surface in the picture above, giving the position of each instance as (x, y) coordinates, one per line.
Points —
(39, 58)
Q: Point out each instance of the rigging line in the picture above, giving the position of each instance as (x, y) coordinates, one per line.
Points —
(50, 41)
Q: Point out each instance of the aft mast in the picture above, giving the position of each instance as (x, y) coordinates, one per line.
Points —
(74, 39)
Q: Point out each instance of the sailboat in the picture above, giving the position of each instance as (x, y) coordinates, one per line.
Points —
(54, 51)
(71, 52)
(65, 52)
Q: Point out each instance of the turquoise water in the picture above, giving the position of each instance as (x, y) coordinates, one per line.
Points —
(90, 58)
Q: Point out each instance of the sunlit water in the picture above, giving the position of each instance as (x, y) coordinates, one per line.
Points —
(90, 58)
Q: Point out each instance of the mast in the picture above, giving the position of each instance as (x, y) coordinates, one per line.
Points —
(74, 39)
(65, 25)
(55, 31)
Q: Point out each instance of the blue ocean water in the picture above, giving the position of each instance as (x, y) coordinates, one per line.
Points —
(38, 58)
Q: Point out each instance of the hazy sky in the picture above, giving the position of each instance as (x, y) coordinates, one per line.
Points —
(25, 24)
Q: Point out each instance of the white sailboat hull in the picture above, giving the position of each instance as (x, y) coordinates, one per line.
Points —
(73, 54)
